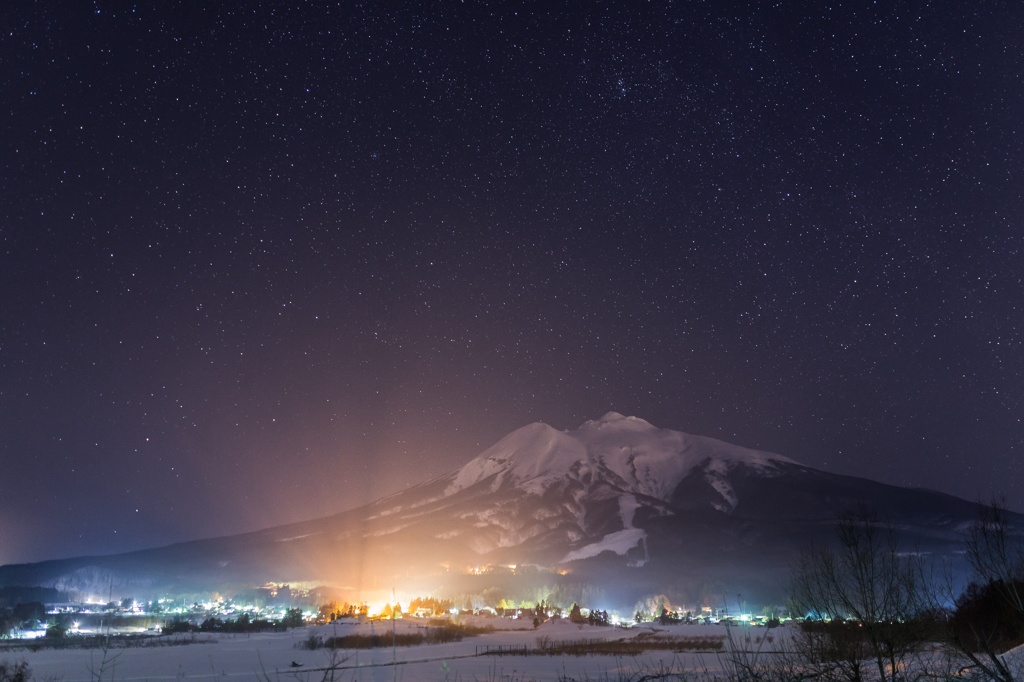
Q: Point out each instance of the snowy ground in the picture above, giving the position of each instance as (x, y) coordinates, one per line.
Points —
(276, 656)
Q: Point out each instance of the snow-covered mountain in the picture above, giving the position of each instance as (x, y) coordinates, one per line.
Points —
(617, 504)
(582, 489)
(626, 451)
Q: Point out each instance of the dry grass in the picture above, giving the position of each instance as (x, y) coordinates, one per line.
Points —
(627, 647)
(441, 634)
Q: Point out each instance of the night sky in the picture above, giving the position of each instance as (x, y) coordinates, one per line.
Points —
(263, 262)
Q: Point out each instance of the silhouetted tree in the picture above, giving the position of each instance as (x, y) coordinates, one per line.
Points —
(989, 616)
(985, 621)
(292, 618)
(7, 622)
(29, 614)
(866, 599)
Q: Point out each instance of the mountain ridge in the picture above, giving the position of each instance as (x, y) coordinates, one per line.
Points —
(594, 444)
(616, 503)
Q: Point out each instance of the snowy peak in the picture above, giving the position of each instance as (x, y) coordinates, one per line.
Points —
(627, 453)
(593, 489)
(616, 419)
(655, 460)
(526, 454)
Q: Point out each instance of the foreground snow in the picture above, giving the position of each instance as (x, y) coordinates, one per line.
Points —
(278, 656)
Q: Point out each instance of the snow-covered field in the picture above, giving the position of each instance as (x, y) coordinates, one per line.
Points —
(279, 656)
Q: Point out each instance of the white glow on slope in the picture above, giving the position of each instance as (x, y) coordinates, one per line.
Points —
(619, 542)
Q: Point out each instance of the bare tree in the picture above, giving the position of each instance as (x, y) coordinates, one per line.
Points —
(994, 556)
(989, 615)
(865, 601)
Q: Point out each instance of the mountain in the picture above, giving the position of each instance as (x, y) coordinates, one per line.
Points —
(608, 512)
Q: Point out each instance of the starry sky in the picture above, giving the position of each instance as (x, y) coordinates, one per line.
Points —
(262, 262)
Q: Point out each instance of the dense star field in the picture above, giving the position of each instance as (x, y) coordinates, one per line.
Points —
(261, 262)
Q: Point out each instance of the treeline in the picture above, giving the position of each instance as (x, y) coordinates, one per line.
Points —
(243, 623)
(334, 610)
(24, 616)
(872, 609)
(29, 615)
(428, 606)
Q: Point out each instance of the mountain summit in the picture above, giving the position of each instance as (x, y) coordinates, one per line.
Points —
(626, 452)
(572, 495)
(617, 505)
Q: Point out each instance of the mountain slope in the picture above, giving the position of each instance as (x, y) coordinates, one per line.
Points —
(617, 504)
